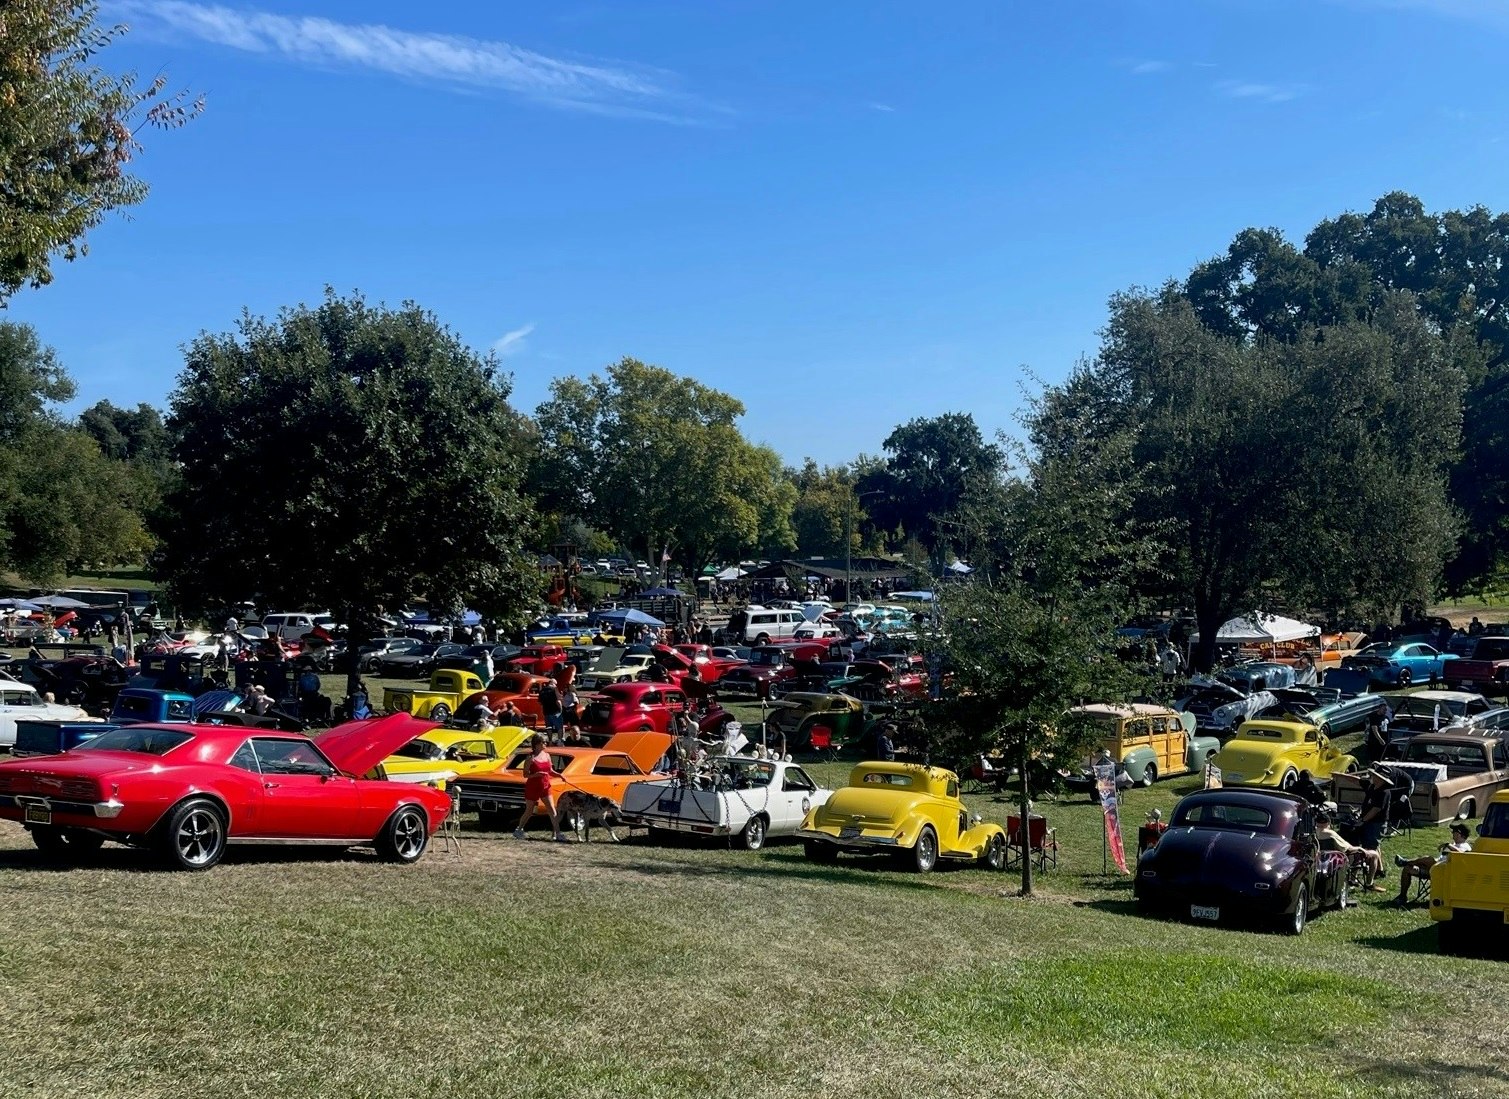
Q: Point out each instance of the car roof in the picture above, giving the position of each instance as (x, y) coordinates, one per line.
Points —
(1135, 709)
(1443, 696)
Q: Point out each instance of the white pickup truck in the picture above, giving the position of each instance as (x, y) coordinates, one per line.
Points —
(753, 799)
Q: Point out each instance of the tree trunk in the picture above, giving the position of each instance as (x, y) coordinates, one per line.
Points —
(358, 633)
(1209, 618)
(1026, 808)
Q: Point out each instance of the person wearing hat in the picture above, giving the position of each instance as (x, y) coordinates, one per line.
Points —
(1374, 811)
(885, 743)
(1331, 840)
(1413, 869)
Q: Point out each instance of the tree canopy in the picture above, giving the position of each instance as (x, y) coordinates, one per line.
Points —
(658, 460)
(67, 134)
(346, 456)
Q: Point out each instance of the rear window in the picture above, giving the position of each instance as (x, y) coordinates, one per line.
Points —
(1223, 815)
(1492, 648)
(150, 742)
(882, 778)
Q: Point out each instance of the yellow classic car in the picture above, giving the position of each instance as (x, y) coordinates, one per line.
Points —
(1469, 890)
(443, 754)
(448, 688)
(904, 809)
(1273, 753)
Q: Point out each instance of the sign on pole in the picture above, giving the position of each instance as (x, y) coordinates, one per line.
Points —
(1105, 786)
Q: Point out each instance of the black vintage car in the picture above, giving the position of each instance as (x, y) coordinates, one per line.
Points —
(1241, 855)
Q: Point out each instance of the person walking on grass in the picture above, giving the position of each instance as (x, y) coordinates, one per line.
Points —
(538, 773)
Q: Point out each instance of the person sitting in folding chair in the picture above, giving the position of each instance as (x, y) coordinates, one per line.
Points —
(1369, 861)
(1418, 870)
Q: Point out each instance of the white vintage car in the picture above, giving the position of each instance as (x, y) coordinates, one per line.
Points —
(629, 668)
(753, 799)
(21, 700)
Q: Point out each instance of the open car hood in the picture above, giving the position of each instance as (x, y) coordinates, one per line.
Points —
(645, 749)
(358, 746)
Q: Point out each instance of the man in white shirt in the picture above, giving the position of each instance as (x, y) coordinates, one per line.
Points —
(1411, 869)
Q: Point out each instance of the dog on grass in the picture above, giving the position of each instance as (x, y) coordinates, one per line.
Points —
(578, 813)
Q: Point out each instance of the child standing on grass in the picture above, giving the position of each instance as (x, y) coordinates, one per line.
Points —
(538, 773)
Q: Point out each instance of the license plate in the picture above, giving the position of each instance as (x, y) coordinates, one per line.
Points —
(1467, 683)
(1200, 912)
(850, 833)
(38, 814)
(669, 805)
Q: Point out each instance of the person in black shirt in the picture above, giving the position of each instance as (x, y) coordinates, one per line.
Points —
(1309, 789)
(1375, 797)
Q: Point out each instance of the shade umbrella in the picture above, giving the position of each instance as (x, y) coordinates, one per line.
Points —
(660, 593)
(629, 616)
(18, 605)
(733, 572)
(59, 602)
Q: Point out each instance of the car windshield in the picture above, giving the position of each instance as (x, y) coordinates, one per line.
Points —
(1218, 814)
(420, 749)
(1452, 755)
(766, 658)
(1495, 824)
(150, 742)
(1421, 706)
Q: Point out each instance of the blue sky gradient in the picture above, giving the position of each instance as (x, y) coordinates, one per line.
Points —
(844, 214)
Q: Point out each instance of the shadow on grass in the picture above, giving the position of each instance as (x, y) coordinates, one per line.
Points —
(1419, 940)
(142, 861)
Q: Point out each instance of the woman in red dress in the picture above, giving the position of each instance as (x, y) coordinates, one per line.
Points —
(538, 773)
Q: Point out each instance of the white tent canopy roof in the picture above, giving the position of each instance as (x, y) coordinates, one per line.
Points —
(1268, 627)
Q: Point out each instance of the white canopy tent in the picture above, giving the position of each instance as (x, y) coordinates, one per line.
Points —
(1269, 628)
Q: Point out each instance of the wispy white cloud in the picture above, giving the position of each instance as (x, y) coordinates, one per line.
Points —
(883, 107)
(511, 343)
(478, 64)
(1263, 93)
(1148, 68)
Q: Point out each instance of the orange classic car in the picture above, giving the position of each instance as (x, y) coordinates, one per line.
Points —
(586, 778)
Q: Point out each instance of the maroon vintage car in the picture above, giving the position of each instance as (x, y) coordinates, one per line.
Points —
(1486, 670)
(768, 664)
(186, 791)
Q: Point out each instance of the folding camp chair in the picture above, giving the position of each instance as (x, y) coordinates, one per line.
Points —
(822, 742)
(1036, 841)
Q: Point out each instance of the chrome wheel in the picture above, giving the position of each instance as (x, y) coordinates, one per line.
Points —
(1150, 775)
(440, 712)
(194, 838)
(1301, 914)
(754, 833)
(405, 836)
(995, 853)
(925, 854)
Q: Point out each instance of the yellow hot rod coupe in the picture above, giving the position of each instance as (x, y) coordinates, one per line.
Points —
(904, 809)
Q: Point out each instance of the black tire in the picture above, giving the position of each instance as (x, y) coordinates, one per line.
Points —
(995, 853)
(1150, 775)
(818, 851)
(763, 639)
(49, 839)
(405, 836)
(1404, 677)
(193, 836)
(1291, 777)
(1294, 923)
(925, 851)
(754, 833)
(440, 712)
(1467, 810)
(369, 666)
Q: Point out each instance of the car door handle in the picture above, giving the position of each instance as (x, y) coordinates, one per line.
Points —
(271, 785)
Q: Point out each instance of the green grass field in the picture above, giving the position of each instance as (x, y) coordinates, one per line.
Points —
(689, 969)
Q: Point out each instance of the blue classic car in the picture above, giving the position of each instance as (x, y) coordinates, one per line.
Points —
(1399, 665)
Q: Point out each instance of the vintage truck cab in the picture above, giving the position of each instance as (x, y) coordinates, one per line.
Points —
(1469, 891)
(448, 688)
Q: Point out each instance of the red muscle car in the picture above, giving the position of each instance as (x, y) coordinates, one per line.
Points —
(632, 707)
(537, 660)
(186, 791)
(709, 667)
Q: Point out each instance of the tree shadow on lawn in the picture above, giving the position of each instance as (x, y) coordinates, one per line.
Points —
(1419, 940)
(858, 870)
(1129, 907)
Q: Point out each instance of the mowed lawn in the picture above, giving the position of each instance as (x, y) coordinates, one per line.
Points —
(640, 969)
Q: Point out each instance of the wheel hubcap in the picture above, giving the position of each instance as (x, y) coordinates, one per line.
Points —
(199, 837)
(408, 836)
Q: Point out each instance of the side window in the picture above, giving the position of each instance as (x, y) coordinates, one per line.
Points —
(246, 759)
(178, 710)
(953, 788)
(1477, 706)
(675, 698)
(796, 779)
(652, 698)
(1311, 736)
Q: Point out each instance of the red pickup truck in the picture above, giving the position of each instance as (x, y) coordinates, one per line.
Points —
(1485, 671)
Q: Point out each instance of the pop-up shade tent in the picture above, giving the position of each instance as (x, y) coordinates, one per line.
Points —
(629, 615)
(1267, 629)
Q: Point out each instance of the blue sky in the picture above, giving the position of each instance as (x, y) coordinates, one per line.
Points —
(846, 214)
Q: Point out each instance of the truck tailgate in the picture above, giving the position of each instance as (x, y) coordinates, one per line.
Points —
(1477, 881)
